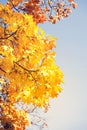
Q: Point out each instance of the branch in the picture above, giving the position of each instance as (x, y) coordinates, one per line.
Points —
(35, 115)
(2, 38)
(25, 68)
(14, 7)
(33, 109)
(2, 70)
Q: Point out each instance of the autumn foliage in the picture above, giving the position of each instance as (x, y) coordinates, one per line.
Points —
(29, 76)
(44, 10)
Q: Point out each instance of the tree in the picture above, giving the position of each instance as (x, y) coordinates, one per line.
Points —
(29, 76)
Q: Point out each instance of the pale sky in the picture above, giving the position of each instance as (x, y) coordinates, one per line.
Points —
(69, 111)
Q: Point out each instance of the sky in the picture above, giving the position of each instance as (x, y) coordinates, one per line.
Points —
(69, 110)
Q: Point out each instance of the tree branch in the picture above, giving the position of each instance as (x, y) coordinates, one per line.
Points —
(25, 68)
(2, 70)
(2, 38)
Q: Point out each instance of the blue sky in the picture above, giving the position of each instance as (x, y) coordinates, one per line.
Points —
(69, 111)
